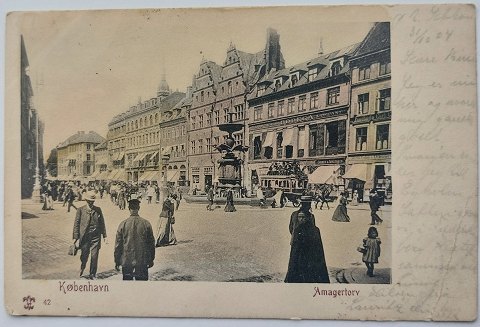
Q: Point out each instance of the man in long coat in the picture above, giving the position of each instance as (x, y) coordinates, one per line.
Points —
(88, 228)
(134, 245)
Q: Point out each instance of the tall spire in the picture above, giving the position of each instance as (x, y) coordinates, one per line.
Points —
(163, 89)
(320, 49)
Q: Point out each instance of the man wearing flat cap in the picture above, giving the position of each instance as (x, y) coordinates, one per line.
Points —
(134, 244)
(88, 228)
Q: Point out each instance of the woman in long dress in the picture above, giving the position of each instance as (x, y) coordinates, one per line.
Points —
(341, 214)
(165, 234)
(229, 207)
(307, 258)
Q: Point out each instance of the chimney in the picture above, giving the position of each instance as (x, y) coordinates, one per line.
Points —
(273, 53)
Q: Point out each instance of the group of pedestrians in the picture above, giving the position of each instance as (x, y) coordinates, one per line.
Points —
(135, 239)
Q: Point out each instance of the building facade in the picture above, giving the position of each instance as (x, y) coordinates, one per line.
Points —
(369, 148)
(219, 97)
(173, 142)
(142, 137)
(32, 129)
(101, 161)
(76, 156)
(116, 148)
(300, 114)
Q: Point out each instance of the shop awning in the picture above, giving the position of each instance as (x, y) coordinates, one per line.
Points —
(166, 151)
(145, 176)
(102, 175)
(155, 176)
(120, 156)
(153, 154)
(172, 175)
(112, 174)
(323, 175)
(287, 137)
(137, 158)
(95, 174)
(121, 175)
(269, 139)
(357, 171)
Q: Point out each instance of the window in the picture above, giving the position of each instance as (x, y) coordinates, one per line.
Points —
(261, 89)
(312, 73)
(301, 141)
(216, 139)
(382, 136)
(271, 107)
(291, 103)
(294, 79)
(333, 95)
(384, 100)
(88, 146)
(209, 144)
(257, 147)
(88, 157)
(279, 145)
(194, 122)
(200, 146)
(196, 179)
(302, 103)
(363, 100)
(278, 83)
(385, 68)
(209, 118)
(361, 139)
(332, 135)
(336, 68)
(226, 117)
(216, 115)
(200, 121)
(364, 73)
(257, 113)
(239, 112)
(317, 140)
(314, 100)
(230, 87)
(280, 108)
(238, 138)
(202, 96)
(192, 146)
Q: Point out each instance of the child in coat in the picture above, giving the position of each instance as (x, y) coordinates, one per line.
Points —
(372, 247)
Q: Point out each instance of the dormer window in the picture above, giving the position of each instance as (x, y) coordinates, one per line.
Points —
(294, 79)
(336, 68)
(312, 73)
(278, 83)
(261, 89)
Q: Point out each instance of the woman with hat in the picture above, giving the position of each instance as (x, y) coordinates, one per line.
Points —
(164, 233)
(307, 259)
(341, 214)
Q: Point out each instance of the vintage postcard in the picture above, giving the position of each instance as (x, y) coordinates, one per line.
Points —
(275, 162)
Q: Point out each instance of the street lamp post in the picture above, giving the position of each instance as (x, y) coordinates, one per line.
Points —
(36, 194)
(165, 158)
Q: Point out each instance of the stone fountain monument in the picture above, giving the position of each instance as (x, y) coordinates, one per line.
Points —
(230, 166)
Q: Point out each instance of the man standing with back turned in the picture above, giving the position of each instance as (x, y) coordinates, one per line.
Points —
(134, 245)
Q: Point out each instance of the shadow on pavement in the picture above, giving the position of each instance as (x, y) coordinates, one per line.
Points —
(26, 215)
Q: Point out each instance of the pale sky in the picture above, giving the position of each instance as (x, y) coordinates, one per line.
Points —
(94, 65)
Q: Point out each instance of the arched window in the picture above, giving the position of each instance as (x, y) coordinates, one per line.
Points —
(136, 124)
(151, 120)
(229, 87)
(201, 96)
(156, 118)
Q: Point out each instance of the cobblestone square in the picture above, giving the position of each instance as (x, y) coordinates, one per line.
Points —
(250, 245)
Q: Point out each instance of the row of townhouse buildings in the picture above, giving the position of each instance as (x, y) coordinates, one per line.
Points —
(331, 114)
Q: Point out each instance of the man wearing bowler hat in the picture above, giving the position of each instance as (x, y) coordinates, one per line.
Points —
(134, 244)
(88, 228)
